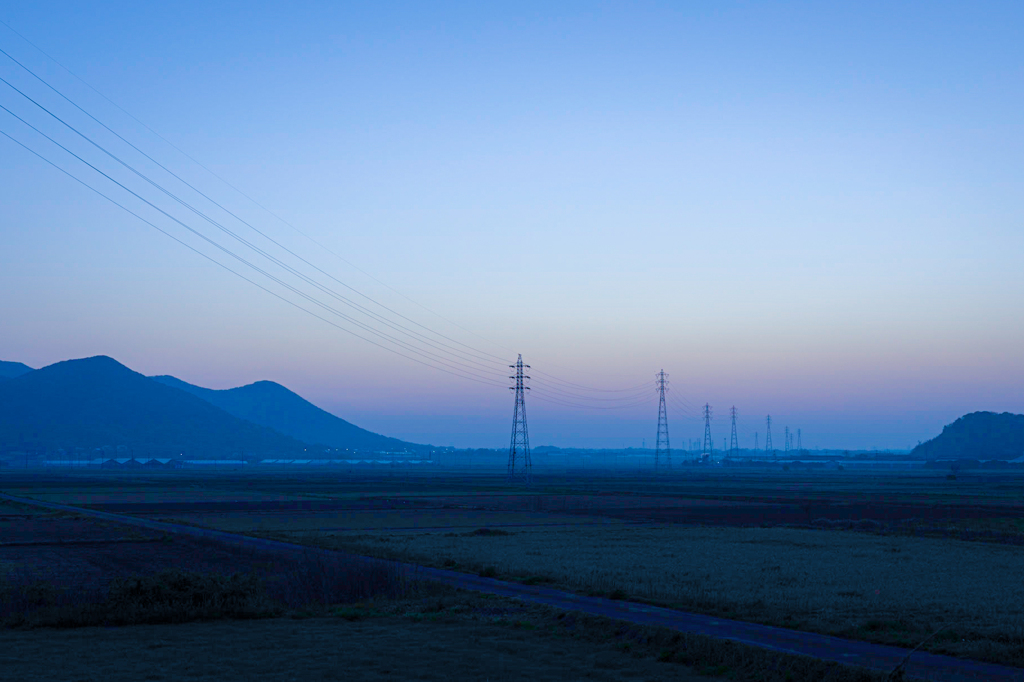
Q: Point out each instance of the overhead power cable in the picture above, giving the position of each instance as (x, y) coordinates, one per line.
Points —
(246, 196)
(236, 256)
(576, 396)
(268, 211)
(220, 206)
(234, 272)
(588, 388)
(545, 398)
(561, 388)
(460, 355)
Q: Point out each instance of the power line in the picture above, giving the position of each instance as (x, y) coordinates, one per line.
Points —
(261, 271)
(456, 357)
(570, 384)
(225, 267)
(318, 303)
(536, 395)
(452, 352)
(243, 194)
(217, 204)
(568, 394)
(453, 359)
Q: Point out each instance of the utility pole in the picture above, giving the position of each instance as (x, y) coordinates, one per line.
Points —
(785, 444)
(708, 445)
(799, 441)
(734, 446)
(519, 467)
(756, 446)
(768, 437)
(662, 451)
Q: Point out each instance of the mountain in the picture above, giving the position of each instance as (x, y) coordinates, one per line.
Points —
(97, 402)
(978, 435)
(9, 370)
(274, 406)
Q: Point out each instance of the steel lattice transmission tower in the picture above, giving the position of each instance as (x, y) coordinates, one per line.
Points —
(768, 436)
(734, 440)
(785, 445)
(799, 441)
(519, 467)
(662, 448)
(708, 444)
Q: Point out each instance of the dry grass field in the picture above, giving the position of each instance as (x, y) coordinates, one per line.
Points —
(887, 582)
(407, 521)
(285, 618)
(892, 589)
(452, 636)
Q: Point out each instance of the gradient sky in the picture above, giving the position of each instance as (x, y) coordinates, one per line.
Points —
(813, 210)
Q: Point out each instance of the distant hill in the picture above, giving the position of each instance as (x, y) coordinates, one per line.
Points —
(978, 435)
(274, 406)
(97, 401)
(9, 370)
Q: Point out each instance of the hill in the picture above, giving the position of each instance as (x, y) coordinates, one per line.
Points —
(97, 402)
(978, 435)
(272, 405)
(10, 370)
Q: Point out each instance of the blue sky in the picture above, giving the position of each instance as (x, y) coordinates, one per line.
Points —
(802, 209)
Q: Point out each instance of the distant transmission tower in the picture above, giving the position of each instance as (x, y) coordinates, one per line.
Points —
(519, 467)
(708, 445)
(799, 441)
(662, 449)
(734, 444)
(785, 439)
(756, 446)
(768, 436)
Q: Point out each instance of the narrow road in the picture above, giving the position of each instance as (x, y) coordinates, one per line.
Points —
(850, 652)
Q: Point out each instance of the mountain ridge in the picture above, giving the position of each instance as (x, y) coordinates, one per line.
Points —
(95, 402)
(12, 370)
(274, 406)
(977, 435)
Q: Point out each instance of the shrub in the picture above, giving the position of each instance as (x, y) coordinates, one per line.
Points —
(868, 525)
(309, 582)
(488, 532)
(175, 596)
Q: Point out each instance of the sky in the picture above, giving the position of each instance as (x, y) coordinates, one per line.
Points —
(809, 210)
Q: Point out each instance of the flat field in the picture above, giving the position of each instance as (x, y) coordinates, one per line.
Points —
(771, 548)
(892, 589)
(453, 637)
(320, 649)
(87, 554)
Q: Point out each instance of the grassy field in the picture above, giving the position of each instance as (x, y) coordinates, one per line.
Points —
(896, 590)
(455, 636)
(343, 619)
(422, 520)
(892, 587)
(13, 511)
(714, 483)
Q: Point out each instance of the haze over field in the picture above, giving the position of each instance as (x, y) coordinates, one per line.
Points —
(805, 210)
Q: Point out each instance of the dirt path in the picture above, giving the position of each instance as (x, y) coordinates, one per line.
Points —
(850, 652)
